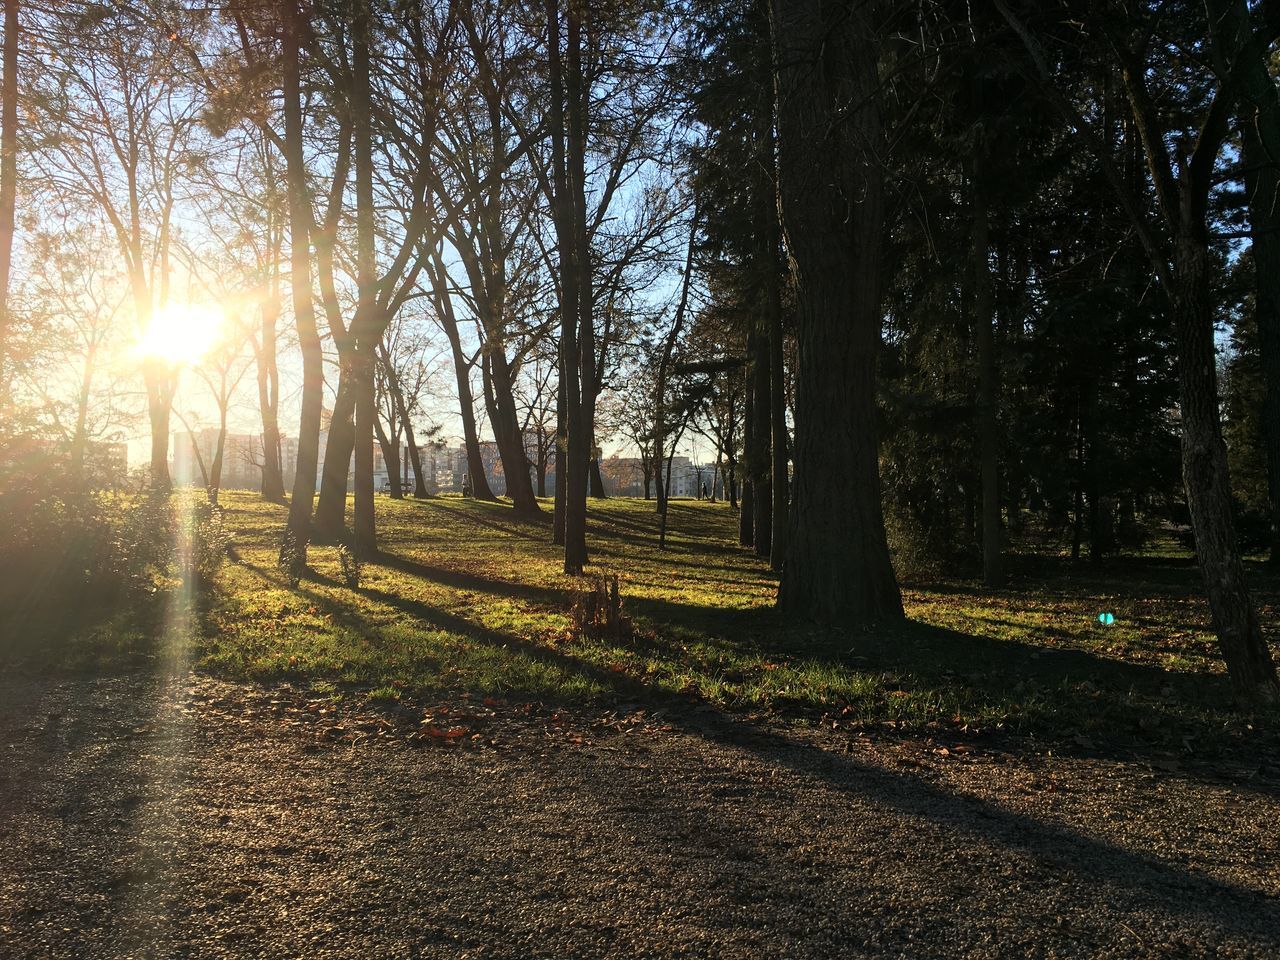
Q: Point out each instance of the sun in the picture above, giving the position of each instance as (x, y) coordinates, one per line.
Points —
(181, 333)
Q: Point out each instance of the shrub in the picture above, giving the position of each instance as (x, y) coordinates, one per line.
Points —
(206, 539)
(350, 565)
(597, 611)
(98, 548)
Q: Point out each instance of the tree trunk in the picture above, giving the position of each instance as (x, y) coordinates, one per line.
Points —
(331, 512)
(390, 457)
(573, 459)
(214, 480)
(761, 469)
(1260, 133)
(1263, 187)
(988, 428)
(366, 332)
(159, 384)
(747, 518)
(1205, 476)
(505, 421)
(779, 442)
(466, 401)
(269, 400)
(838, 568)
(298, 532)
(8, 179)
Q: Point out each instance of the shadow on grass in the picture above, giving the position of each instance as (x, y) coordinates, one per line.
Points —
(914, 673)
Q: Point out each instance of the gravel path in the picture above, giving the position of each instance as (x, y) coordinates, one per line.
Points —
(189, 817)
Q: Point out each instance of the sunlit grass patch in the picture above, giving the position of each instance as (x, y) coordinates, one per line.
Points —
(467, 597)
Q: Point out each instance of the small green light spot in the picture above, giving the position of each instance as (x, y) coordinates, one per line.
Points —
(1106, 619)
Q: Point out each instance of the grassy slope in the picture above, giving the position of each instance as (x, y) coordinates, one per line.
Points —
(467, 597)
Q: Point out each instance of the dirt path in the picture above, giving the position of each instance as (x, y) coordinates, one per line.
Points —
(195, 818)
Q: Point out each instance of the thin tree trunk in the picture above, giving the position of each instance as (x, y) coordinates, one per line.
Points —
(214, 481)
(779, 441)
(298, 531)
(401, 409)
(747, 517)
(269, 400)
(390, 457)
(365, 332)
(988, 430)
(8, 179)
(761, 469)
(838, 568)
(504, 418)
(466, 401)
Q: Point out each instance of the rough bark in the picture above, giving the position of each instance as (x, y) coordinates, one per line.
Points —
(831, 189)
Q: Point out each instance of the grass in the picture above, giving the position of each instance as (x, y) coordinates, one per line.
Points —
(468, 597)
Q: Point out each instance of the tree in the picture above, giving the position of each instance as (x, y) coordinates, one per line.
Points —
(8, 175)
(293, 550)
(837, 568)
(1183, 266)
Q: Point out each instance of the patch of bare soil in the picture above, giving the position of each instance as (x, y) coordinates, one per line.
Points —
(191, 817)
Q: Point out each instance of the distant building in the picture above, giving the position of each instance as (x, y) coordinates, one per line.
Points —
(193, 452)
(624, 477)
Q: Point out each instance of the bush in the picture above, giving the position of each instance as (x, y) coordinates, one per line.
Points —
(350, 565)
(923, 552)
(205, 541)
(99, 548)
(597, 612)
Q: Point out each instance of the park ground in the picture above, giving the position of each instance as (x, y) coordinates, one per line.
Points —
(441, 761)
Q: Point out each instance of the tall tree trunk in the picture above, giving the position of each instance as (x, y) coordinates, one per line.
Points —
(390, 457)
(1262, 183)
(8, 181)
(160, 383)
(396, 391)
(298, 532)
(214, 480)
(366, 332)
(838, 568)
(466, 401)
(269, 399)
(664, 367)
(331, 511)
(574, 458)
(1205, 476)
(747, 518)
(761, 469)
(1260, 133)
(984, 334)
(778, 440)
(504, 418)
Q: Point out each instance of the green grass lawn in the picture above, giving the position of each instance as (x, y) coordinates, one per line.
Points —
(467, 597)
